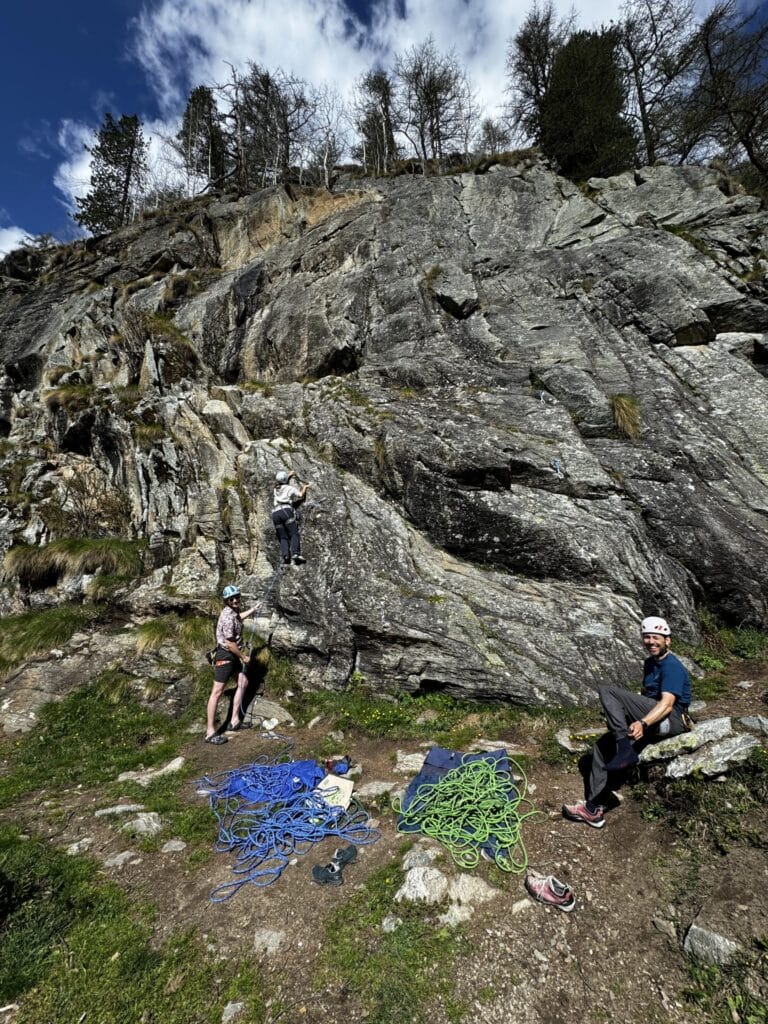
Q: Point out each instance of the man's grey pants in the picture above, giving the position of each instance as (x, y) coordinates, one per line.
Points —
(622, 707)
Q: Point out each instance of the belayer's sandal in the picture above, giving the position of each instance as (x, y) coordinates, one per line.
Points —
(216, 738)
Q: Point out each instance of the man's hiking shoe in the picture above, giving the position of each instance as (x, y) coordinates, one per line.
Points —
(216, 738)
(344, 855)
(579, 812)
(328, 874)
(550, 890)
(299, 560)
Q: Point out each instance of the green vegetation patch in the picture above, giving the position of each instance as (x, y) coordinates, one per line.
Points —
(76, 949)
(397, 975)
(80, 741)
(738, 992)
(718, 815)
(35, 565)
(720, 646)
(22, 636)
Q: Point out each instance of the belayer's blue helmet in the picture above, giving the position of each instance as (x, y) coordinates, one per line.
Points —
(230, 591)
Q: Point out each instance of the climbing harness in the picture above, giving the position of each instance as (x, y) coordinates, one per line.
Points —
(474, 808)
(270, 811)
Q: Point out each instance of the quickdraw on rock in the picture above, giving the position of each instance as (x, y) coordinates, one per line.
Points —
(270, 811)
(472, 805)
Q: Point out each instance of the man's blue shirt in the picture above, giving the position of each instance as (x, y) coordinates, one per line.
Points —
(667, 676)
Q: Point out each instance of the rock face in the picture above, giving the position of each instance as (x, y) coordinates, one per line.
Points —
(529, 416)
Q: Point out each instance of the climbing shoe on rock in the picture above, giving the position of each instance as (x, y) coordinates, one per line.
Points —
(328, 874)
(550, 890)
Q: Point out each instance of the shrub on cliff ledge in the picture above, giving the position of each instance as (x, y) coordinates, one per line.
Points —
(44, 566)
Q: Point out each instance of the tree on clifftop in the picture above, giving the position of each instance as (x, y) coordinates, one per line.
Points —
(582, 123)
(200, 141)
(118, 168)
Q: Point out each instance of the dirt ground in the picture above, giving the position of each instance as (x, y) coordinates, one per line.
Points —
(618, 956)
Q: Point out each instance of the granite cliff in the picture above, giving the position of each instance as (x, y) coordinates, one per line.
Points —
(529, 413)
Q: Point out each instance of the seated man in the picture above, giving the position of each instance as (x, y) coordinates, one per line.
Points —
(635, 720)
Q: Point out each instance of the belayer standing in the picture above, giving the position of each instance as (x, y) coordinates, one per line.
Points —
(229, 660)
(287, 495)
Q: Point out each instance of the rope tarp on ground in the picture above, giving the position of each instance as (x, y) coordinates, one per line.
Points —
(270, 811)
(469, 803)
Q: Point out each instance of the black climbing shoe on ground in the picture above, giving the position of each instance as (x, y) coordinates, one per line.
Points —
(344, 855)
(299, 560)
(216, 738)
(328, 874)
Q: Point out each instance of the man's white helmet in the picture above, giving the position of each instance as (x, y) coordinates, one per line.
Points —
(655, 625)
(281, 477)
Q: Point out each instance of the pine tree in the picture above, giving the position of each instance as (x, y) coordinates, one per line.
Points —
(582, 120)
(117, 171)
(201, 139)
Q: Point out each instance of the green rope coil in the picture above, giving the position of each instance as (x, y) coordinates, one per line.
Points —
(468, 806)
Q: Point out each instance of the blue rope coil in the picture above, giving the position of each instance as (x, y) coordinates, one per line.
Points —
(270, 811)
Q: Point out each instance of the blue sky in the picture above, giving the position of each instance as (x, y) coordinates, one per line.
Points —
(64, 65)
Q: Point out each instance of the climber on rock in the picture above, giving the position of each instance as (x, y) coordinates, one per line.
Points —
(288, 494)
(635, 720)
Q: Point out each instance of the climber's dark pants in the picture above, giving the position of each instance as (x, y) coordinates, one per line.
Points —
(287, 530)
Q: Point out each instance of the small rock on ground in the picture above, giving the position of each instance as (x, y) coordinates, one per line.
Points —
(144, 778)
(709, 946)
(174, 846)
(267, 941)
(423, 885)
(147, 824)
(79, 847)
(119, 809)
(231, 1012)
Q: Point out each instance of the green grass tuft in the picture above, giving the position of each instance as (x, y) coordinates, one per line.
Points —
(394, 976)
(79, 741)
(76, 949)
(23, 636)
(36, 566)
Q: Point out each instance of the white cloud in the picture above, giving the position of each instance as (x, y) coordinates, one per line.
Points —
(184, 43)
(73, 175)
(11, 238)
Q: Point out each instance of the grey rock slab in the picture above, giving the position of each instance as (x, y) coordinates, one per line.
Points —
(390, 923)
(423, 885)
(456, 914)
(173, 846)
(81, 846)
(233, 1011)
(703, 732)
(470, 889)
(268, 941)
(755, 723)
(147, 824)
(260, 707)
(409, 764)
(119, 860)
(419, 857)
(715, 759)
(143, 778)
(710, 947)
(104, 812)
